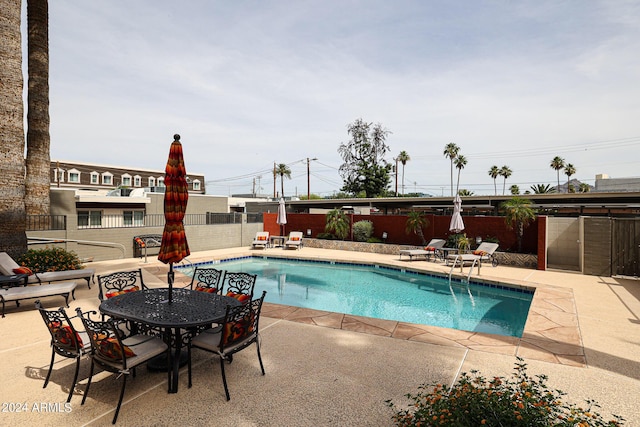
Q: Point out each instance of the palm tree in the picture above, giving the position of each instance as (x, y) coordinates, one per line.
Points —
(584, 187)
(493, 173)
(284, 171)
(403, 158)
(542, 189)
(337, 223)
(460, 162)
(569, 170)
(465, 192)
(38, 139)
(13, 237)
(415, 223)
(505, 172)
(451, 152)
(518, 213)
(514, 189)
(557, 163)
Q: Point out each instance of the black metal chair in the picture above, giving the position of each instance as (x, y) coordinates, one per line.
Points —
(239, 285)
(65, 340)
(114, 354)
(114, 284)
(239, 330)
(207, 280)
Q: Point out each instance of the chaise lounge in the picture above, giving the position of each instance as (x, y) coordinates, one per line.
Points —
(432, 248)
(9, 267)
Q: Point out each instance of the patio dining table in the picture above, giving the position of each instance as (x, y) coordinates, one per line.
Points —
(188, 311)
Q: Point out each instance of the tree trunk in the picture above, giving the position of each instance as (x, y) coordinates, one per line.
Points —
(13, 238)
(38, 139)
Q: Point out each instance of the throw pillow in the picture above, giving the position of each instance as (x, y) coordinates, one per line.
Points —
(481, 253)
(243, 298)
(110, 349)
(236, 331)
(22, 270)
(206, 289)
(123, 291)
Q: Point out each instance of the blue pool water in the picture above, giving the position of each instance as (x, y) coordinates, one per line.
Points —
(386, 293)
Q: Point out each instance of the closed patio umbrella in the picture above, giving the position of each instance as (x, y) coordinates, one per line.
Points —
(281, 220)
(174, 247)
(456, 225)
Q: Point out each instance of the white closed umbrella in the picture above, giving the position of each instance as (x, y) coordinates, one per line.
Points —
(281, 220)
(456, 225)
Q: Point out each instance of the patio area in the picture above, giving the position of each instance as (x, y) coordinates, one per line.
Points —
(332, 369)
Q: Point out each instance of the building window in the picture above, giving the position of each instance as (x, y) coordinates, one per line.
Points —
(95, 178)
(152, 181)
(126, 180)
(160, 182)
(58, 175)
(74, 176)
(137, 181)
(196, 185)
(107, 178)
(133, 218)
(89, 219)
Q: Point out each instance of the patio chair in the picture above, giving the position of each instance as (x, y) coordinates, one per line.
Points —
(485, 251)
(432, 248)
(207, 280)
(66, 341)
(239, 330)
(120, 282)
(261, 240)
(239, 285)
(114, 354)
(294, 241)
(8, 266)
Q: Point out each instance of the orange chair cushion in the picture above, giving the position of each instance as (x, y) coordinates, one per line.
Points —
(295, 239)
(430, 248)
(262, 238)
(124, 291)
(110, 349)
(243, 298)
(206, 289)
(22, 270)
(65, 335)
(236, 331)
(481, 253)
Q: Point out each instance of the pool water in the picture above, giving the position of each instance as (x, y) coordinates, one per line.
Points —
(386, 293)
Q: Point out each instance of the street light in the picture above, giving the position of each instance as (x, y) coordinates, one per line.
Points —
(308, 178)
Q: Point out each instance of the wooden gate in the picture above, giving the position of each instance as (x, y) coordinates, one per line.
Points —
(625, 251)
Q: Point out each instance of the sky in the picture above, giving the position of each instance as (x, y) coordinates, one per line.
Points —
(251, 83)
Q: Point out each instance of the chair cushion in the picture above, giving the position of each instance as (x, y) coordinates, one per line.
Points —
(295, 239)
(109, 348)
(481, 253)
(205, 289)
(243, 298)
(239, 330)
(262, 237)
(429, 248)
(124, 291)
(23, 270)
(65, 335)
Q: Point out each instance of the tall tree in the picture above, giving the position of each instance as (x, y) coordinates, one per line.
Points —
(514, 189)
(365, 171)
(584, 188)
(13, 237)
(557, 164)
(284, 171)
(337, 223)
(451, 151)
(493, 173)
(460, 162)
(403, 158)
(38, 139)
(542, 189)
(416, 221)
(505, 172)
(569, 170)
(518, 214)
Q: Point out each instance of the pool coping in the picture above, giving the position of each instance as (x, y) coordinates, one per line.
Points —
(551, 332)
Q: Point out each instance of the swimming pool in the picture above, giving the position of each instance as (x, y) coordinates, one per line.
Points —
(387, 293)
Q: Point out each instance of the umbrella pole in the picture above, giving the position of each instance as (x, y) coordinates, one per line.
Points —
(170, 277)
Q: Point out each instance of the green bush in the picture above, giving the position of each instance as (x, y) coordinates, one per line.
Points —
(50, 259)
(362, 230)
(326, 236)
(374, 240)
(520, 400)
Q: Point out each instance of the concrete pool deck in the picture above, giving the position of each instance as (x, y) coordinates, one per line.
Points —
(332, 369)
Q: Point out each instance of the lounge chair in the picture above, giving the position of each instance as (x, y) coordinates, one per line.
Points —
(9, 267)
(485, 252)
(432, 248)
(294, 241)
(261, 240)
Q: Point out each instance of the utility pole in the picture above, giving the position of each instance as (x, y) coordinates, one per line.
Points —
(274, 180)
(309, 179)
(396, 170)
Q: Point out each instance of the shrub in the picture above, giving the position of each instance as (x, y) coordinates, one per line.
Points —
(520, 400)
(50, 259)
(362, 230)
(374, 240)
(326, 236)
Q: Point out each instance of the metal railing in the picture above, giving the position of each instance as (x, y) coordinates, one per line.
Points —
(59, 222)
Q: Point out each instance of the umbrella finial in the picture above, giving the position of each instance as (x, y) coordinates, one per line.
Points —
(176, 137)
